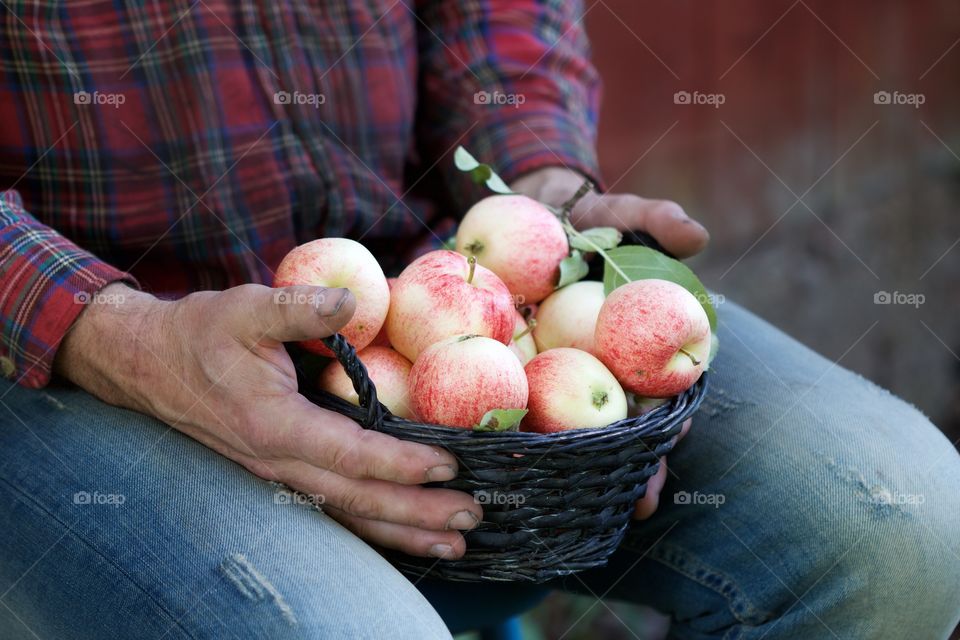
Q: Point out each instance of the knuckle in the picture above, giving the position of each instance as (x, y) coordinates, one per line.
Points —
(362, 504)
(353, 457)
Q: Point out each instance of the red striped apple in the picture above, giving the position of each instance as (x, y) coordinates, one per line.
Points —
(340, 262)
(389, 372)
(654, 336)
(518, 239)
(443, 294)
(522, 343)
(381, 339)
(456, 381)
(571, 389)
(568, 317)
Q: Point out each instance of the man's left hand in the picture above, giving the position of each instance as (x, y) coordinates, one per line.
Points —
(665, 220)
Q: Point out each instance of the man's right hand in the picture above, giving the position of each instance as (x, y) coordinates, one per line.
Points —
(213, 366)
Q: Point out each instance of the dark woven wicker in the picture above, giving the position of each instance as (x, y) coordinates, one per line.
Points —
(553, 504)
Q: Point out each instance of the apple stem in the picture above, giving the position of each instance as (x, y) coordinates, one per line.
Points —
(531, 323)
(472, 261)
(568, 226)
(692, 357)
(599, 399)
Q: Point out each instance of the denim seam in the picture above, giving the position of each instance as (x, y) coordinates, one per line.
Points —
(30, 500)
(668, 555)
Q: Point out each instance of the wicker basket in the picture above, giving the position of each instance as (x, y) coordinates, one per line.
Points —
(553, 504)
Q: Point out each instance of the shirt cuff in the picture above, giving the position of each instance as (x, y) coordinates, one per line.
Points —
(46, 281)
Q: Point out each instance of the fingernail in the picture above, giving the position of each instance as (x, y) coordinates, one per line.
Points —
(343, 298)
(441, 473)
(441, 551)
(462, 520)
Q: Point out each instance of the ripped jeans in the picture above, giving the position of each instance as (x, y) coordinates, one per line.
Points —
(805, 503)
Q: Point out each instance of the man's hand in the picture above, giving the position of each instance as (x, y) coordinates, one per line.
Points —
(666, 221)
(213, 366)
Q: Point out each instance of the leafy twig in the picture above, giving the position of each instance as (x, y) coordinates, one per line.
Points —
(564, 214)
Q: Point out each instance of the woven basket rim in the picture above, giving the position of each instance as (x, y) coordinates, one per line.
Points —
(658, 419)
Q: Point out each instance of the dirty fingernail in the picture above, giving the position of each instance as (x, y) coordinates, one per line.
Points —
(441, 551)
(441, 473)
(344, 294)
(462, 520)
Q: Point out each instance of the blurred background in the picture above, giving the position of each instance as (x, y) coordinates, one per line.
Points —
(820, 194)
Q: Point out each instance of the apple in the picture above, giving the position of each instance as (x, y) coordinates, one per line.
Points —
(518, 239)
(638, 405)
(654, 336)
(443, 294)
(389, 372)
(568, 317)
(571, 389)
(522, 343)
(456, 381)
(340, 262)
(381, 339)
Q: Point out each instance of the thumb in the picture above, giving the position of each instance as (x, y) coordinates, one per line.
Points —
(301, 312)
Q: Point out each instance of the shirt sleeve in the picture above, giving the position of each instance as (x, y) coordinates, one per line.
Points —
(512, 82)
(45, 282)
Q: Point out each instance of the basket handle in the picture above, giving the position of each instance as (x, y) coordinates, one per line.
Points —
(362, 384)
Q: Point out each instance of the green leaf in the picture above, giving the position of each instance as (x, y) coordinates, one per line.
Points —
(642, 263)
(479, 173)
(464, 161)
(497, 185)
(602, 237)
(450, 243)
(501, 420)
(572, 268)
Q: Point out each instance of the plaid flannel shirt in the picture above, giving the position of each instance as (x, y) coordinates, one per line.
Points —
(186, 145)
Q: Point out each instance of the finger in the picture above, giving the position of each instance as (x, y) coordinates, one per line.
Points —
(665, 220)
(434, 509)
(647, 505)
(448, 545)
(295, 313)
(328, 440)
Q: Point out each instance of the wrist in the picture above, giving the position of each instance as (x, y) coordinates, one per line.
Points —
(549, 185)
(107, 347)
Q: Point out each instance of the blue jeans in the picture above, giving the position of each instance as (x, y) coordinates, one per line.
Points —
(805, 503)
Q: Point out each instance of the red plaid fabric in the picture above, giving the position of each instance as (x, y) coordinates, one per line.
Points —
(189, 145)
